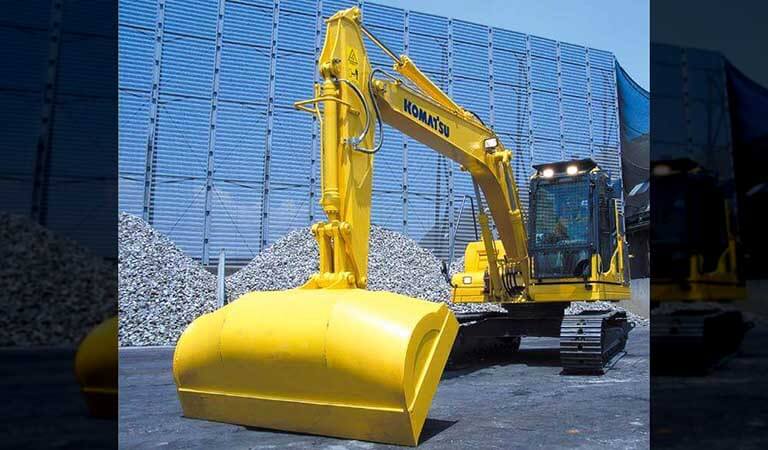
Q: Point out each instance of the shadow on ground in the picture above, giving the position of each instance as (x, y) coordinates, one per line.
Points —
(531, 357)
(476, 406)
(433, 427)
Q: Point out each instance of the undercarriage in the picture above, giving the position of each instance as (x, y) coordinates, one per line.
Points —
(694, 338)
(590, 342)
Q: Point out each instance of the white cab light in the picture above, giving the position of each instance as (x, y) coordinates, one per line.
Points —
(662, 170)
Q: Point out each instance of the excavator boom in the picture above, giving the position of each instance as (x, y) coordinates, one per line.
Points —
(353, 100)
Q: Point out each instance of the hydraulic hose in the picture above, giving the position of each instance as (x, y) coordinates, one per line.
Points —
(355, 141)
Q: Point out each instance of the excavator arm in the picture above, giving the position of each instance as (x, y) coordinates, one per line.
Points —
(354, 99)
(479, 151)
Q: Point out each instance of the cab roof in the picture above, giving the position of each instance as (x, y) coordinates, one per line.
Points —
(560, 166)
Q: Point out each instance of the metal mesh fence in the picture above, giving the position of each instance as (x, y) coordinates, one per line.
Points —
(59, 118)
(212, 153)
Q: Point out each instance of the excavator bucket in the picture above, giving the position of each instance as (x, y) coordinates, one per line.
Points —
(348, 363)
(96, 369)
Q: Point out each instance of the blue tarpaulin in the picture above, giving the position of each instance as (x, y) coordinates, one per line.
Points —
(634, 122)
(748, 104)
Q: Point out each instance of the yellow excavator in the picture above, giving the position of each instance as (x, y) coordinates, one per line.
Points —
(696, 270)
(334, 358)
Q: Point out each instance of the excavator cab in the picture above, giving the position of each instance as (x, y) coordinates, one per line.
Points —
(574, 220)
(695, 255)
(576, 242)
(576, 233)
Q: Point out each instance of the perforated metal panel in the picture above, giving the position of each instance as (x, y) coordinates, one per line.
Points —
(390, 175)
(233, 166)
(59, 118)
(691, 119)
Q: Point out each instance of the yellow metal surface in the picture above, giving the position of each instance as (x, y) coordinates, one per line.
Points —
(341, 104)
(341, 362)
(721, 284)
(328, 358)
(564, 290)
(406, 67)
(96, 369)
(609, 285)
(724, 283)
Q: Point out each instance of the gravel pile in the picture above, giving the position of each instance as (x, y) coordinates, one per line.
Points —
(53, 290)
(457, 265)
(286, 264)
(577, 307)
(396, 263)
(161, 290)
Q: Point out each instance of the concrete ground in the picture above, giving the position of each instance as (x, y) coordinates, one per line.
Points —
(516, 401)
(723, 409)
(42, 406)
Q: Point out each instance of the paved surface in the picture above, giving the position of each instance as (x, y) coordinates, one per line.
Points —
(726, 408)
(41, 403)
(518, 401)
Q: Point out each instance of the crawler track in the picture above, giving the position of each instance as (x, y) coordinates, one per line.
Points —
(591, 341)
(693, 340)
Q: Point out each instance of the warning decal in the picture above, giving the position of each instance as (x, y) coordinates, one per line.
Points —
(352, 59)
